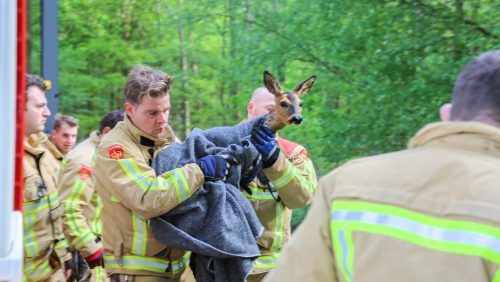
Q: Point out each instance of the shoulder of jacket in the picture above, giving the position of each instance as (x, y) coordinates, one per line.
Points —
(292, 149)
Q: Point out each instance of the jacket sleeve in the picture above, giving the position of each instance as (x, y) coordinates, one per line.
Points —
(135, 184)
(294, 178)
(308, 256)
(76, 189)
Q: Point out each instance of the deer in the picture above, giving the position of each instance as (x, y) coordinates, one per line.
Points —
(288, 105)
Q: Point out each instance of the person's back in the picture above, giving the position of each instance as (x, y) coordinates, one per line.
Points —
(429, 213)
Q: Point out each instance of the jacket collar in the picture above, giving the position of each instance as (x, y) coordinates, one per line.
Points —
(147, 140)
(94, 137)
(473, 135)
(34, 144)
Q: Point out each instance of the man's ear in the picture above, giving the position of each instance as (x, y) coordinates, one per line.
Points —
(250, 108)
(129, 109)
(105, 130)
(53, 133)
(445, 112)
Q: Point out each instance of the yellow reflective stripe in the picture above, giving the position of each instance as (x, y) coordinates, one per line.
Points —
(96, 223)
(82, 239)
(260, 194)
(31, 247)
(61, 244)
(279, 227)
(40, 204)
(92, 160)
(36, 272)
(286, 177)
(180, 264)
(134, 173)
(147, 263)
(307, 179)
(140, 234)
(114, 199)
(30, 211)
(266, 261)
(444, 235)
(71, 208)
(99, 273)
(176, 177)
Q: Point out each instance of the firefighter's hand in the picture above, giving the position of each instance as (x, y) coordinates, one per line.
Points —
(69, 268)
(215, 167)
(263, 139)
(95, 259)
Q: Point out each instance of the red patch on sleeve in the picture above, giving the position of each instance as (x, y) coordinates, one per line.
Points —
(116, 152)
(287, 146)
(303, 154)
(85, 172)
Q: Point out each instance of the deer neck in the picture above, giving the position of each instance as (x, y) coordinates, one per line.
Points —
(273, 122)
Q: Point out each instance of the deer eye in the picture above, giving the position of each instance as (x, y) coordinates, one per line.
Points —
(283, 104)
(300, 105)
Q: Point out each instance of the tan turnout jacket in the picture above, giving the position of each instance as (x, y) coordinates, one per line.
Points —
(82, 204)
(42, 212)
(132, 194)
(429, 213)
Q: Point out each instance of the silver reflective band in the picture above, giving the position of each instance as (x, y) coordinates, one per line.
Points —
(426, 231)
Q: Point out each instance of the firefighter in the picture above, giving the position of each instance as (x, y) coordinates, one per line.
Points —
(45, 250)
(82, 205)
(131, 191)
(428, 213)
(63, 136)
(293, 176)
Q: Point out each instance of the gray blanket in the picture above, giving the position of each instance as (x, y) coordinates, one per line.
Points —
(217, 223)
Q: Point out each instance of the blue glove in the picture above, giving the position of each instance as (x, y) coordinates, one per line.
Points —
(215, 167)
(263, 139)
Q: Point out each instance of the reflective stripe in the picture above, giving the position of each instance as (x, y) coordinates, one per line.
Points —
(177, 178)
(61, 244)
(30, 211)
(260, 194)
(36, 272)
(266, 261)
(147, 263)
(36, 206)
(286, 177)
(96, 223)
(307, 180)
(92, 160)
(71, 207)
(114, 199)
(140, 234)
(180, 264)
(451, 236)
(79, 241)
(278, 228)
(31, 247)
(133, 172)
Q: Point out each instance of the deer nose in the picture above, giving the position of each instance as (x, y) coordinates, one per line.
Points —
(296, 119)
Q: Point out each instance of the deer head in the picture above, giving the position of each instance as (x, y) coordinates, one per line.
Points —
(288, 107)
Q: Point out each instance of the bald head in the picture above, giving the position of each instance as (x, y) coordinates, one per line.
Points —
(261, 103)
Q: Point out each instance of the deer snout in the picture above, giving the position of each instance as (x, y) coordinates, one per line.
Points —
(296, 119)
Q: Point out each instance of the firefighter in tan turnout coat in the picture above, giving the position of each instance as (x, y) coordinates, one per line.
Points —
(130, 190)
(45, 250)
(293, 176)
(82, 204)
(429, 213)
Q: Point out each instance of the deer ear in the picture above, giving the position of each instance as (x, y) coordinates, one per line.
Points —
(304, 87)
(272, 84)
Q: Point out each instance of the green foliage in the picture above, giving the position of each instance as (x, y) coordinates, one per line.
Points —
(383, 67)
